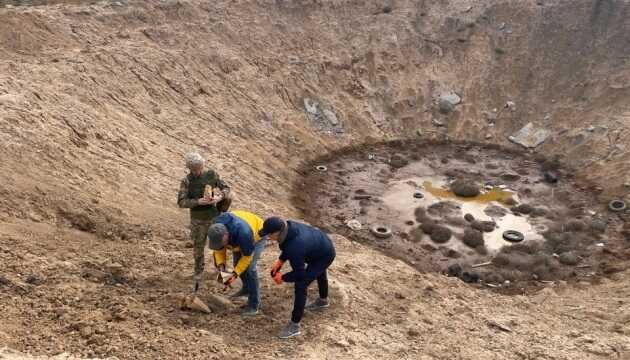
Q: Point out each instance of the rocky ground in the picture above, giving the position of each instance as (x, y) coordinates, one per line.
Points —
(99, 102)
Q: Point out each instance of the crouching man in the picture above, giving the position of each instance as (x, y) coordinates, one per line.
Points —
(238, 231)
(310, 252)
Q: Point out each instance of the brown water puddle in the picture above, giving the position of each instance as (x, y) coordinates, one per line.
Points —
(400, 201)
(496, 194)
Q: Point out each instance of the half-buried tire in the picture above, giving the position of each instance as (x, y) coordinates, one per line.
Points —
(381, 231)
(513, 236)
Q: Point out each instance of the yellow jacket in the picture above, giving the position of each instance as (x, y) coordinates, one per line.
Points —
(256, 224)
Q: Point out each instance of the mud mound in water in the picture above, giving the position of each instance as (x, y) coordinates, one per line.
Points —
(483, 226)
(473, 238)
(441, 234)
(465, 188)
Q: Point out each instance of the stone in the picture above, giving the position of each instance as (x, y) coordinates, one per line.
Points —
(510, 177)
(441, 234)
(454, 270)
(523, 209)
(550, 177)
(86, 332)
(445, 106)
(491, 116)
(529, 136)
(569, 258)
(450, 253)
(483, 226)
(473, 238)
(398, 161)
(452, 98)
(470, 277)
(465, 188)
(599, 225)
(495, 211)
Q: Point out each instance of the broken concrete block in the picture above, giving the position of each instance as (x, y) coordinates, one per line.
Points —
(529, 136)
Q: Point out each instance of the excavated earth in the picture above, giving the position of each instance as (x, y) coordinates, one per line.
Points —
(100, 102)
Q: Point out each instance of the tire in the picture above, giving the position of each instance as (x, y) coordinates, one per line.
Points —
(513, 236)
(381, 231)
(617, 205)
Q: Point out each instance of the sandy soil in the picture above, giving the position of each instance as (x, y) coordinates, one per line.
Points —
(100, 102)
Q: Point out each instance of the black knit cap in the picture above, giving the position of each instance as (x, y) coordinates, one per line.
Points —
(271, 225)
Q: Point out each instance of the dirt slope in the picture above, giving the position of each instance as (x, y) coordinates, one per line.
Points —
(100, 102)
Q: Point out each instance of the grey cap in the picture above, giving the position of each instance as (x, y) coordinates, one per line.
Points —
(215, 236)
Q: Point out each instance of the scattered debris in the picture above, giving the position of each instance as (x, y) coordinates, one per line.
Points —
(192, 302)
(482, 264)
(447, 102)
(438, 123)
(530, 137)
(550, 177)
(491, 116)
(454, 270)
(499, 326)
(321, 115)
(398, 161)
(470, 277)
(354, 224)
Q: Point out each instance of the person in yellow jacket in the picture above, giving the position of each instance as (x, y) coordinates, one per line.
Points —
(238, 231)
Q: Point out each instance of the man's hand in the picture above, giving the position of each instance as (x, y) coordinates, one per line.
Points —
(276, 267)
(205, 201)
(230, 280)
(277, 278)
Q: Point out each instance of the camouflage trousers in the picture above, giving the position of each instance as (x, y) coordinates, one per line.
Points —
(198, 235)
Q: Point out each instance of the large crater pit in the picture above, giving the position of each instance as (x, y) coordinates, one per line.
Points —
(482, 213)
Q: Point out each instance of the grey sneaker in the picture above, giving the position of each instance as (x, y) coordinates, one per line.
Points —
(241, 293)
(249, 311)
(292, 329)
(318, 304)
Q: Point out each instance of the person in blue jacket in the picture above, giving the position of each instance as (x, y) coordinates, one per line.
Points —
(238, 231)
(310, 252)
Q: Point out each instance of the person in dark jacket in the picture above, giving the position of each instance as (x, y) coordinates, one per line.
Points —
(310, 252)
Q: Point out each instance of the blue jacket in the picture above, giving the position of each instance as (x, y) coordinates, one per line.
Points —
(304, 244)
(241, 234)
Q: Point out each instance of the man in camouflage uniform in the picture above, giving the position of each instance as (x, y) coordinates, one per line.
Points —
(202, 209)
